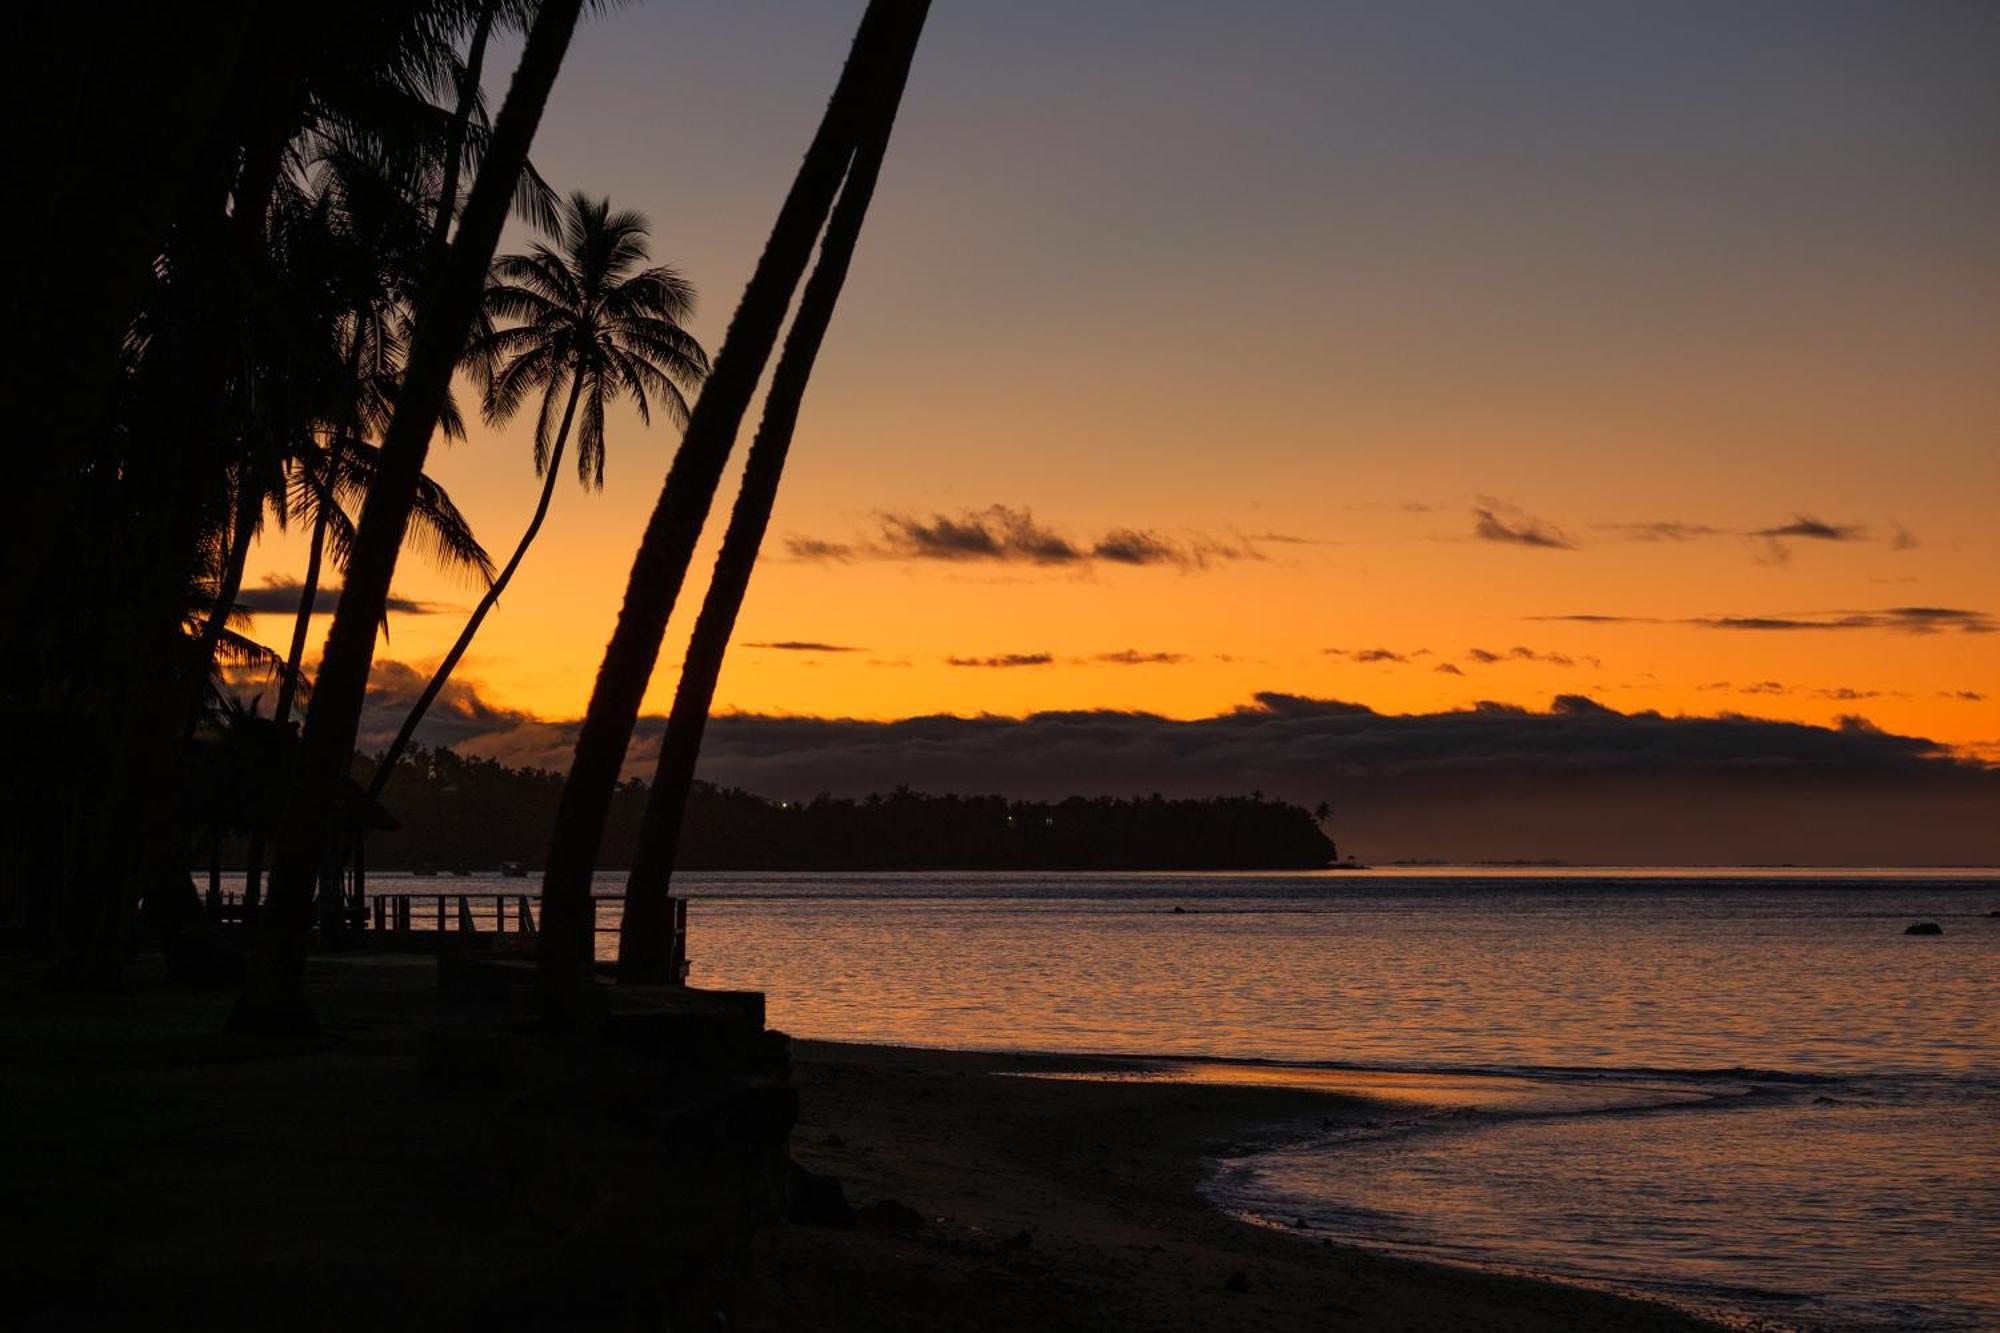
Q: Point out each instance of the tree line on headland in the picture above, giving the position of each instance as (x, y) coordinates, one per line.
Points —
(266, 327)
(457, 811)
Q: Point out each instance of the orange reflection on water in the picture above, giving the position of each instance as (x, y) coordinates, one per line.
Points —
(1423, 1089)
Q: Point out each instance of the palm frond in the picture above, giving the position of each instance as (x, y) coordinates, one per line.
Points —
(582, 312)
(442, 535)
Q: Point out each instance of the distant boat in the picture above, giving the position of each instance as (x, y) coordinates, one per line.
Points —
(424, 869)
(461, 870)
(512, 870)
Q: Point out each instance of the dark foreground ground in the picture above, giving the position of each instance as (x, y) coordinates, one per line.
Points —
(1064, 1204)
(159, 1175)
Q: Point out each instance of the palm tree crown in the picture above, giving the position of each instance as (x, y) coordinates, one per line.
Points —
(589, 328)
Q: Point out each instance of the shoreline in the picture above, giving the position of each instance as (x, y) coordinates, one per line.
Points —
(235, 1170)
(1073, 1203)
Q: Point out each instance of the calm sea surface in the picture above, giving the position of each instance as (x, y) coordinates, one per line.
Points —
(1748, 1091)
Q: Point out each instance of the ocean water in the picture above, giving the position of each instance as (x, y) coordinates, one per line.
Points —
(1745, 1091)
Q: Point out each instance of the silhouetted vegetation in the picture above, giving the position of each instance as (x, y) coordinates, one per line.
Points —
(266, 240)
(858, 112)
(644, 930)
(460, 811)
(243, 216)
(587, 331)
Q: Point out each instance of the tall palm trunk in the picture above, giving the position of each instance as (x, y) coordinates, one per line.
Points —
(288, 691)
(455, 137)
(660, 566)
(645, 951)
(247, 510)
(486, 604)
(450, 301)
(129, 91)
(295, 655)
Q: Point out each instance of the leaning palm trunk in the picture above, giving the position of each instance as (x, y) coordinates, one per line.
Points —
(455, 137)
(228, 583)
(295, 654)
(394, 754)
(450, 301)
(288, 691)
(645, 952)
(659, 568)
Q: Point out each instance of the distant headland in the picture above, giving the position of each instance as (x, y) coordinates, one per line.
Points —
(457, 810)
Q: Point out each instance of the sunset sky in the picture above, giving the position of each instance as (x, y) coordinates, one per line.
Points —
(1412, 355)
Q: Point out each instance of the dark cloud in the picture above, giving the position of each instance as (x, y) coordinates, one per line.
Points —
(1487, 657)
(1902, 619)
(1289, 539)
(1579, 781)
(280, 597)
(805, 646)
(460, 715)
(1446, 668)
(812, 548)
(1807, 528)
(1770, 542)
(1001, 534)
(1924, 619)
(1366, 655)
(1963, 696)
(1663, 530)
(996, 533)
(1592, 618)
(1126, 546)
(1133, 657)
(1842, 693)
(1004, 660)
(1518, 529)
(1771, 623)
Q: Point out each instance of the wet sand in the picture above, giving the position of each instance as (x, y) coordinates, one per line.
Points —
(1074, 1204)
(176, 1177)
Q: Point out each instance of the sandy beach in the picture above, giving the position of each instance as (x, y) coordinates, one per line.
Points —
(1074, 1204)
(160, 1158)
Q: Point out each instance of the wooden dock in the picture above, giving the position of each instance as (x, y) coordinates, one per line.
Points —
(421, 921)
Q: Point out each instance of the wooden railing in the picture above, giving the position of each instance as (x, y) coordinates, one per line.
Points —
(412, 913)
(416, 918)
(405, 912)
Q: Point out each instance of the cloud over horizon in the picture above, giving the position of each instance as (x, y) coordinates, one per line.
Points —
(1808, 528)
(1002, 534)
(1578, 781)
(279, 596)
(1498, 521)
(1902, 619)
(1004, 660)
(1770, 544)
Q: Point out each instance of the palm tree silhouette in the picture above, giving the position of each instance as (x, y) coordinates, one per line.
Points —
(443, 318)
(588, 330)
(885, 39)
(645, 946)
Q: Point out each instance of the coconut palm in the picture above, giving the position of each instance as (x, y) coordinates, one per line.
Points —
(885, 43)
(645, 948)
(323, 488)
(592, 327)
(444, 317)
